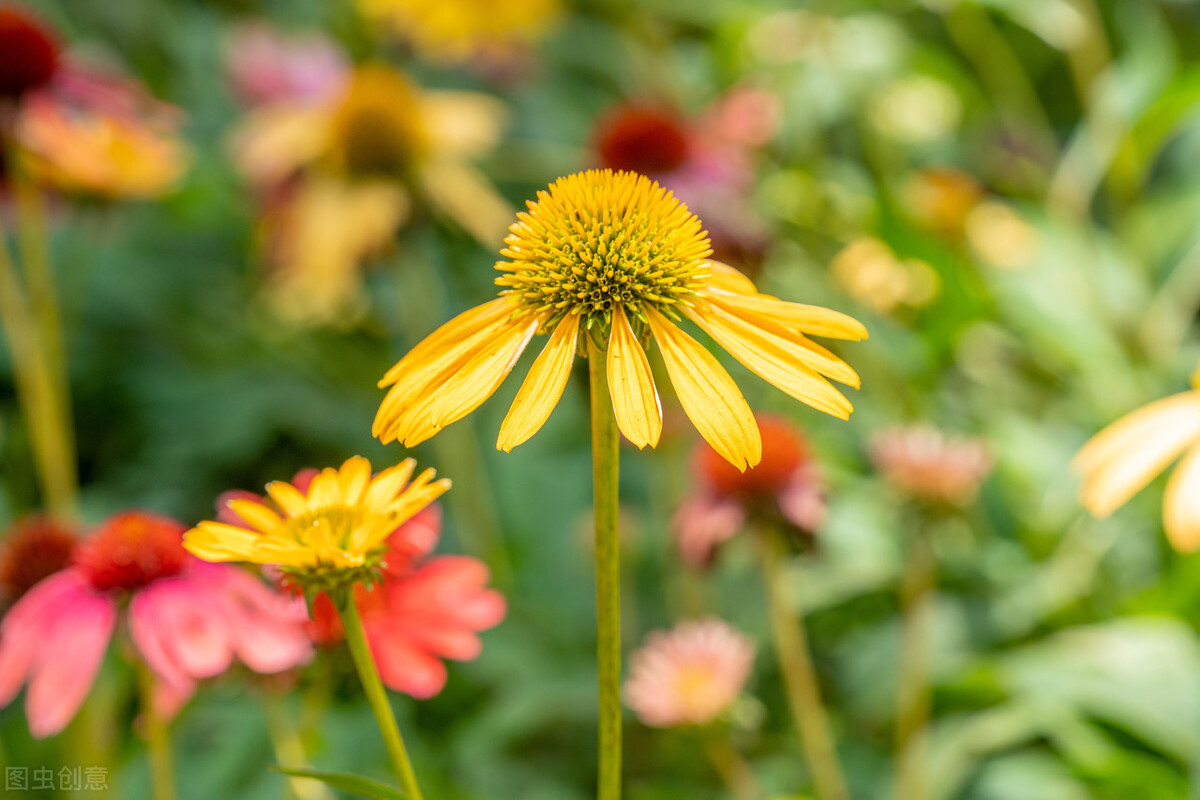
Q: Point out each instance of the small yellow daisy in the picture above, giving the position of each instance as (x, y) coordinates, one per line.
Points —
(615, 257)
(335, 532)
(1120, 460)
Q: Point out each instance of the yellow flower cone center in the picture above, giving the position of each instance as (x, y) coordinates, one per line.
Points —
(600, 239)
(375, 131)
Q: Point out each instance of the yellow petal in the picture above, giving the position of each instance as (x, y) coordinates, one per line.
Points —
(291, 501)
(708, 395)
(273, 142)
(1127, 455)
(1181, 505)
(387, 484)
(774, 364)
(465, 324)
(473, 383)
(1177, 411)
(813, 320)
(462, 193)
(462, 125)
(726, 277)
(635, 400)
(216, 541)
(765, 333)
(543, 386)
(354, 476)
(256, 515)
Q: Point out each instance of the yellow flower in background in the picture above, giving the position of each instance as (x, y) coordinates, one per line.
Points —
(97, 152)
(868, 270)
(456, 31)
(335, 532)
(615, 257)
(1119, 461)
(362, 155)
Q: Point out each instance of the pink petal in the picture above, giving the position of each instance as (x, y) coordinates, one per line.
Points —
(407, 668)
(701, 525)
(180, 623)
(266, 628)
(24, 628)
(67, 666)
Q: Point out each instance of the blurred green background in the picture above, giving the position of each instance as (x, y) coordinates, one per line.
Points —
(1032, 167)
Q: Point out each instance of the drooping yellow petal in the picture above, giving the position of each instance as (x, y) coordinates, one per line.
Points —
(1178, 412)
(813, 320)
(465, 195)
(777, 365)
(464, 325)
(708, 395)
(217, 541)
(726, 277)
(1181, 504)
(766, 333)
(543, 386)
(462, 124)
(273, 142)
(631, 384)
(1128, 454)
(256, 515)
(473, 383)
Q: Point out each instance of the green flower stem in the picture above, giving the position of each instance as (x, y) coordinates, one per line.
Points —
(34, 378)
(289, 750)
(43, 302)
(799, 675)
(158, 740)
(360, 651)
(913, 701)
(605, 458)
(733, 769)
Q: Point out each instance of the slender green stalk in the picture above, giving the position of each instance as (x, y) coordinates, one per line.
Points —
(733, 769)
(360, 651)
(913, 699)
(605, 457)
(289, 750)
(800, 676)
(43, 302)
(158, 740)
(35, 388)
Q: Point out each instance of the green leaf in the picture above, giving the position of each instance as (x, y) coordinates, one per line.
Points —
(355, 784)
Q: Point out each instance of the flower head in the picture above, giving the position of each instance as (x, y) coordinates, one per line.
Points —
(641, 139)
(31, 54)
(328, 537)
(1121, 459)
(929, 465)
(785, 486)
(34, 548)
(689, 675)
(457, 31)
(615, 257)
(187, 620)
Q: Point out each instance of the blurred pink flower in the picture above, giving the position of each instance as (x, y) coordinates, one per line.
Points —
(786, 484)
(187, 619)
(266, 66)
(423, 610)
(689, 675)
(927, 464)
(707, 160)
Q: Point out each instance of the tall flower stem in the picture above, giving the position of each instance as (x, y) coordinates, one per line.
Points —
(158, 740)
(605, 458)
(800, 675)
(733, 769)
(34, 239)
(34, 377)
(913, 700)
(289, 750)
(360, 651)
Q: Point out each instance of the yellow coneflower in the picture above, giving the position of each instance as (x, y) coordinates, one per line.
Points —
(1119, 461)
(615, 257)
(454, 31)
(333, 534)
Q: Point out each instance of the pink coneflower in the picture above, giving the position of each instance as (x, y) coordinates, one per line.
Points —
(422, 611)
(187, 620)
(689, 675)
(785, 485)
(34, 548)
(929, 465)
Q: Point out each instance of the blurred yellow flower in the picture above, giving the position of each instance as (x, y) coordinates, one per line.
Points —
(616, 257)
(361, 156)
(868, 270)
(95, 152)
(339, 527)
(1120, 460)
(455, 31)
(1000, 236)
